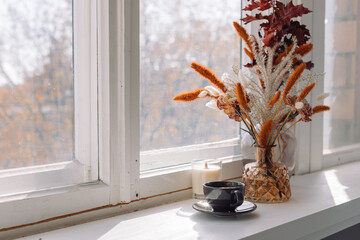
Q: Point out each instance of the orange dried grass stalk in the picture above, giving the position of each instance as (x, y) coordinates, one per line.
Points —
(189, 96)
(243, 34)
(265, 132)
(274, 99)
(305, 92)
(261, 81)
(249, 54)
(320, 108)
(291, 82)
(240, 93)
(209, 75)
(293, 78)
(304, 49)
(283, 54)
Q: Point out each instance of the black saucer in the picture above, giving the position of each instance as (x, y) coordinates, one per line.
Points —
(203, 206)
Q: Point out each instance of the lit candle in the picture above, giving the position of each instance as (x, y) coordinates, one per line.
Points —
(203, 172)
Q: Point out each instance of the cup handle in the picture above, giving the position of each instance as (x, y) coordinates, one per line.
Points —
(237, 197)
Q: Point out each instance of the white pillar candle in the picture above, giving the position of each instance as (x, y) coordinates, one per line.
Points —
(203, 173)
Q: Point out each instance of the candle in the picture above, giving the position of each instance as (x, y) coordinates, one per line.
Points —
(203, 172)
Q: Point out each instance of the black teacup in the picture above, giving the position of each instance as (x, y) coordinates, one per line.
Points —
(224, 196)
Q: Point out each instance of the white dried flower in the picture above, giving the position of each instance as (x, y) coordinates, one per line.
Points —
(213, 91)
(299, 105)
(212, 104)
(203, 94)
(322, 96)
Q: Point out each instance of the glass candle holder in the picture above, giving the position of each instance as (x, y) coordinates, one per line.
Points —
(203, 172)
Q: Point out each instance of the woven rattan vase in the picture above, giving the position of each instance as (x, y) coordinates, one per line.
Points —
(266, 181)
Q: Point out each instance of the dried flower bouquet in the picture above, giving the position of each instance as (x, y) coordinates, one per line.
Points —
(273, 90)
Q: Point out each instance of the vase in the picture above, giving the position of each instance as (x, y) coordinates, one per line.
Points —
(284, 151)
(266, 181)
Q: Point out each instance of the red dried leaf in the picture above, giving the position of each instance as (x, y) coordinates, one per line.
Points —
(252, 6)
(250, 18)
(309, 65)
(262, 5)
(278, 23)
(269, 39)
(291, 11)
(301, 33)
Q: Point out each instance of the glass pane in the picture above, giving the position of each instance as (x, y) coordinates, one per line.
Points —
(36, 83)
(342, 60)
(172, 35)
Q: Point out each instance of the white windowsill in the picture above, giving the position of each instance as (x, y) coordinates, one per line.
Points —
(322, 203)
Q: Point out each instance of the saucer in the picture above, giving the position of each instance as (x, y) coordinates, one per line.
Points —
(203, 206)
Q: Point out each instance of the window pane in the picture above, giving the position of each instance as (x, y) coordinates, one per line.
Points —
(172, 35)
(36, 82)
(342, 60)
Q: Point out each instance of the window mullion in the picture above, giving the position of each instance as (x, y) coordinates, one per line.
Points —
(318, 58)
(123, 98)
(131, 76)
(310, 136)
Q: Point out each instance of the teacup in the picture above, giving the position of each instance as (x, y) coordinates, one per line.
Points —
(224, 196)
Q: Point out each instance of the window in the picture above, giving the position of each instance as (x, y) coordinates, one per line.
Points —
(42, 103)
(342, 123)
(48, 108)
(342, 58)
(172, 35)
(123, 85)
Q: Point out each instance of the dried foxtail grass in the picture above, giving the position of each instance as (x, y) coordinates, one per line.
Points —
(320, 108)
(304, 49)
(265, 131)
(209, 75)
(249, 54)
(291, 82)
(260, 80)
(243, 34)
(305, 92)
(241, 97)
(274, 99)
(293, 78)
(283, 54)
(189, 96)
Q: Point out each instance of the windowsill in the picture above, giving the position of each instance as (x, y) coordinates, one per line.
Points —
(322, 203)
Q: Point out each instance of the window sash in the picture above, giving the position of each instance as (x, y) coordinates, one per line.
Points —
(84, 167)
(86, 86)
(67, 187)
(172, 157)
